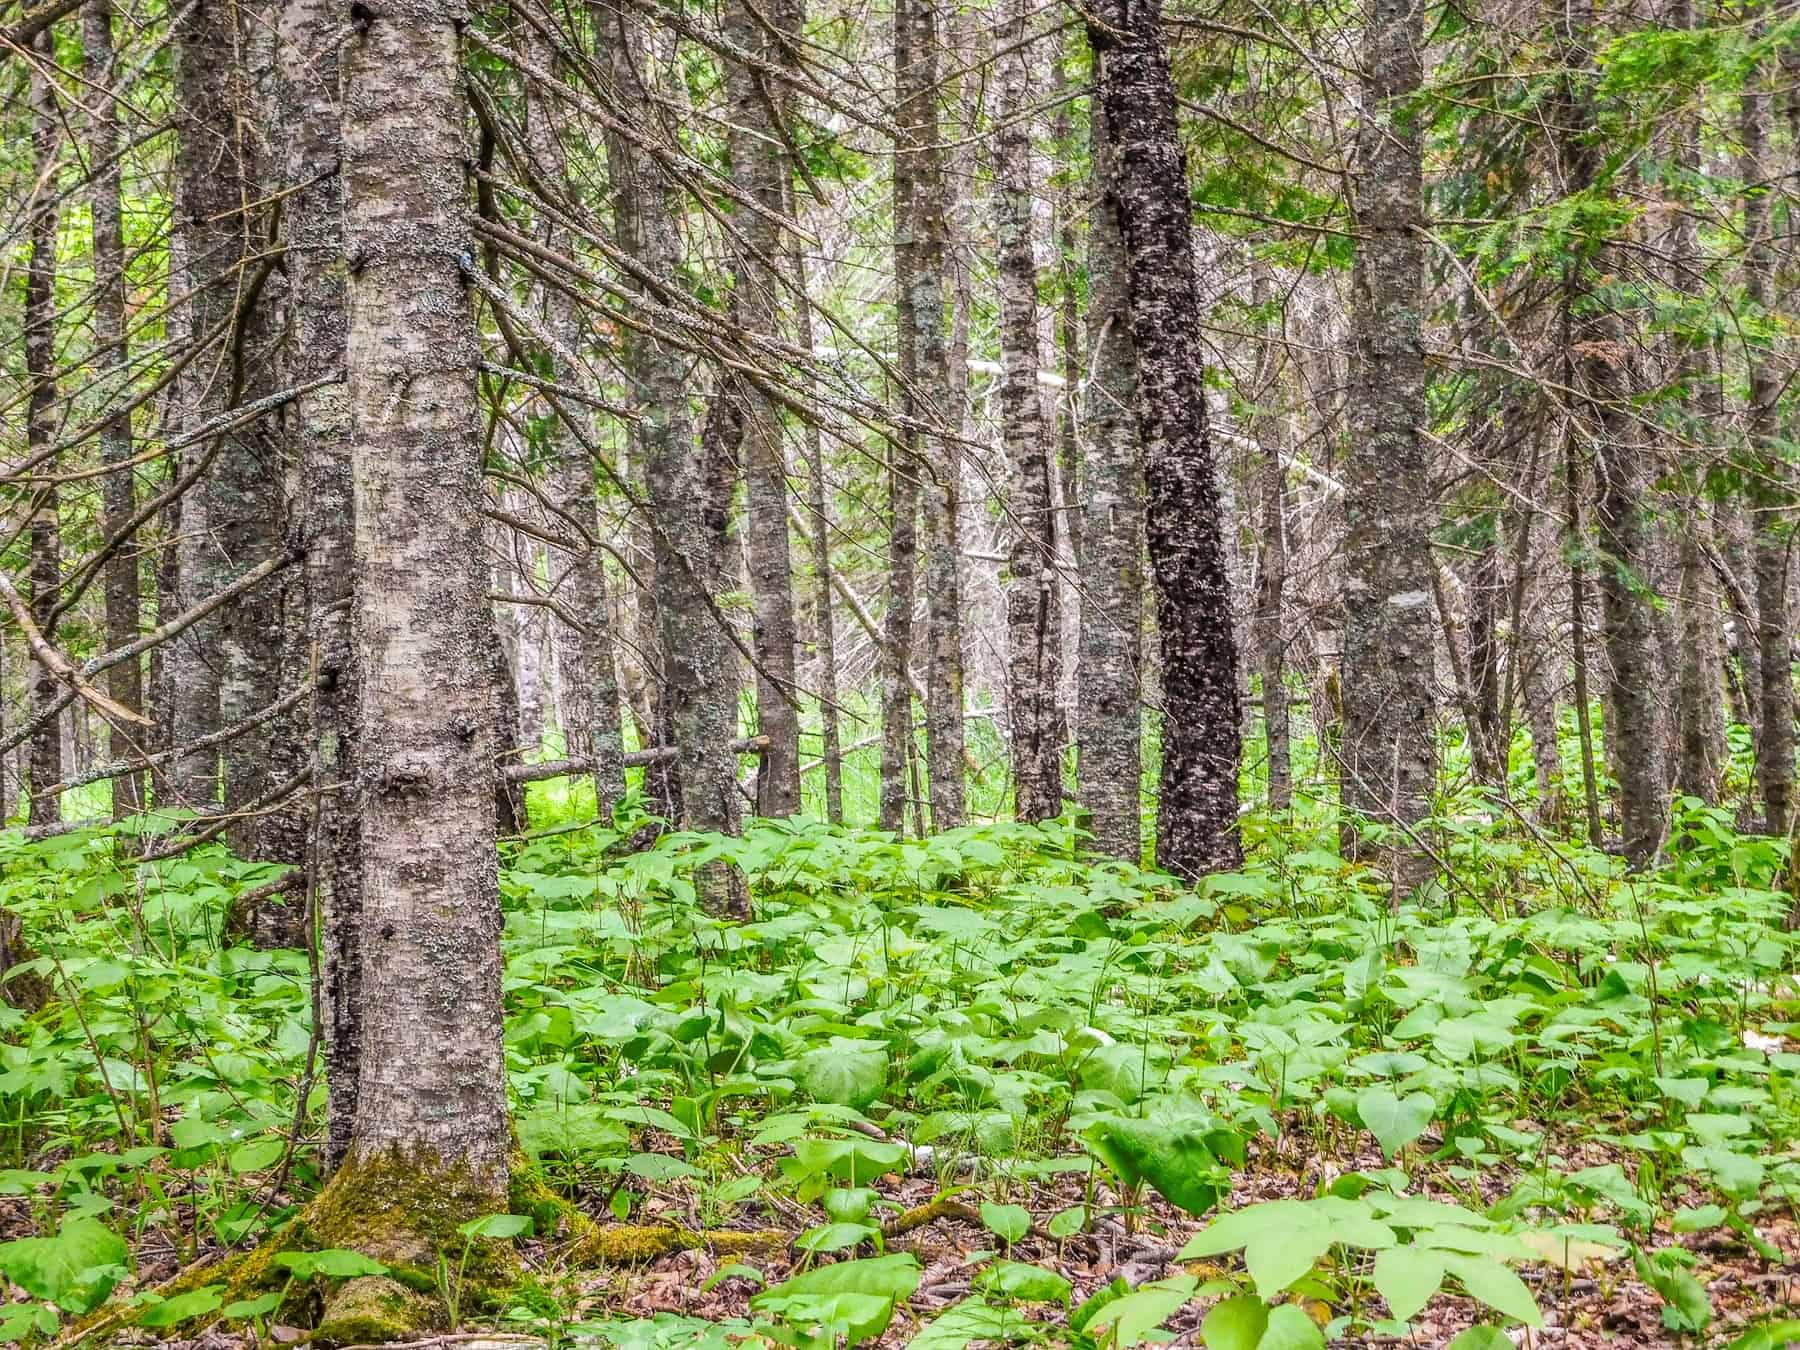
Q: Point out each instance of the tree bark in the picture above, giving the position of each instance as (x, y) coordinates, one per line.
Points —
(1768, 475)
(432, 1086)
(124, 682)
(44, 762)
(1389, 749)
(1029, 581)
(591, 723)
(307, 85)
(1109, 679)
(698, 669)
(1196, 828)
(759, 167)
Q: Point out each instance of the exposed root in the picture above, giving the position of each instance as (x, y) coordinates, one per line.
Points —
(633, 1244)
(919, 1215)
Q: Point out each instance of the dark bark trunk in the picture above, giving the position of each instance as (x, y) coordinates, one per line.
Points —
(124, 682)
(1197, 819)
(44, 764)
(1768, 475)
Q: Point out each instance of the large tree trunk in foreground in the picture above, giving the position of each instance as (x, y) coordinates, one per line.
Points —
(431, 1107)
(1389, 749)
(1033, 615)
(124, 682)
(1196, 827)
(1109, 730)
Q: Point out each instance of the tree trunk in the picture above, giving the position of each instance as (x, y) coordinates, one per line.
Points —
(307, 86)
(759, 167)
(124, 682)
(931, 397)
(1269, 425)
(1110, 657)
(44, 764)
(1769, 495)
(1389, 752)
(431, 1105)
(1196, 829)
(1033, 620)
(1596, 358)
(592, 729)
(818, 502)
(698, 669)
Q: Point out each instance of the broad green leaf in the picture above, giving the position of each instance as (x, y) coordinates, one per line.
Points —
(1277, 1257)
(850, 1073)
(1496, 1285)
(333, 1263)
(1408, 1277)
(1132, 1319)
(75, 1270)
(1009, 1223)
(834, 1237)
(496, 1226)
(962, 1324)
(1394, 1121)
(1236, 1324)
(1176, 1157)
(252, 1307)
(1481, 1338)
(256, 1155)
(892, 1277)
(1229, 1232)
(1025, 1283)
(1291, 1329)
(195, 1303)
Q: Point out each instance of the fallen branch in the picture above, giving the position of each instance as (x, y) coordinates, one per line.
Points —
(580, 764)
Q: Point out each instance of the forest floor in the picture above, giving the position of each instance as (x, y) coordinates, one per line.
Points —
(978, 1089)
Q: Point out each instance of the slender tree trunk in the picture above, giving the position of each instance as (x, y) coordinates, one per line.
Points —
(914, 77)
(1769, 496)
(1389, 747)
(759, 167)
(1196, 829)
(1269, 426)
(124, 682)
(431, 1102)
(1110, 658)
(698, 669)
(592, 728)
(818, 502)
(44, 764)
(1596, 357)
(1033, 621)
(307, 75)
(1584, 716)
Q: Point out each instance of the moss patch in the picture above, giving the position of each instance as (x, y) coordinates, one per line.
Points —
(374, 1310)
(628, 1245)
(403, 1209)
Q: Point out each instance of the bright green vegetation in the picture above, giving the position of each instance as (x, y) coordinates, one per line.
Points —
(1542, 1064)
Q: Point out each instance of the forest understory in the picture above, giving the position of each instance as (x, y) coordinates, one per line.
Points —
(976, 1088)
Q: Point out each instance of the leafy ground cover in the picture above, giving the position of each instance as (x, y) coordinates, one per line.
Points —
(975, 1089)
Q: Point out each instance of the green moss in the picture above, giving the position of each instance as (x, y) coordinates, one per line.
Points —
(374, 1310)
(404, 1209)
(630, 1245)
(552, 1217)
